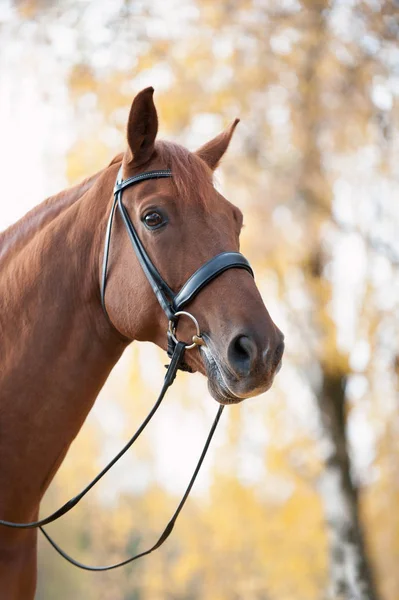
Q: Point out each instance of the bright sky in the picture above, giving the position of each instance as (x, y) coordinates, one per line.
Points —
(34, 133)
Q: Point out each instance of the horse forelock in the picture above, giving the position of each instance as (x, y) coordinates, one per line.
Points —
(192, 178)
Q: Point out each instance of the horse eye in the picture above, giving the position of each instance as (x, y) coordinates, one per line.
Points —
(153, 220)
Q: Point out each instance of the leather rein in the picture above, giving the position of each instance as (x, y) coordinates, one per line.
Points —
(172, 304)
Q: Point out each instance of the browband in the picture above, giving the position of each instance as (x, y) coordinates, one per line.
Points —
(121, 184)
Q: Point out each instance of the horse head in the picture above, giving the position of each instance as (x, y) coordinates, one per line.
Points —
(183, 222)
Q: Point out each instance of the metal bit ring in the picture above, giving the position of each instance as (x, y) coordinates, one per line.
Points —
(196, 339)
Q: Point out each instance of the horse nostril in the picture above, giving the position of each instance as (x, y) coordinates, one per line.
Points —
(242, 355)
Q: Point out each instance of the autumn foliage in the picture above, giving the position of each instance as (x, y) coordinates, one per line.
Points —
(315, 86)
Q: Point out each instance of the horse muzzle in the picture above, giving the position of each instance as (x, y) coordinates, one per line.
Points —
(247, 370)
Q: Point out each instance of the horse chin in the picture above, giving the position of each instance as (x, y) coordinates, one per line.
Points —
(221, 394)
(217, 384)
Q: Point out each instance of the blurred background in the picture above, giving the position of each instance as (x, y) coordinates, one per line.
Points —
(298, 499)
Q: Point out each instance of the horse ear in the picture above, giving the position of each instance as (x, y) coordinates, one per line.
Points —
(142, 128)
(212, 151)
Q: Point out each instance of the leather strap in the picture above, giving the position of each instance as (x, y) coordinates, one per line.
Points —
(169, 527)
(177, 359)
(160, 288)
(107, 244)
(122, 184)
(210, 270)
(162, 291)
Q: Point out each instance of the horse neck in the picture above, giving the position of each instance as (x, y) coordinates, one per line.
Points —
(17, 236)
(57, 348)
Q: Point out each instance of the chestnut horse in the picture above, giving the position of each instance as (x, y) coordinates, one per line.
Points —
(57, 344)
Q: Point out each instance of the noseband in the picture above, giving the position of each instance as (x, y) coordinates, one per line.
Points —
(172, 304)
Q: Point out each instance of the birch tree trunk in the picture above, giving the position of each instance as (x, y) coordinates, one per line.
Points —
(350, 573)
(351, 577)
